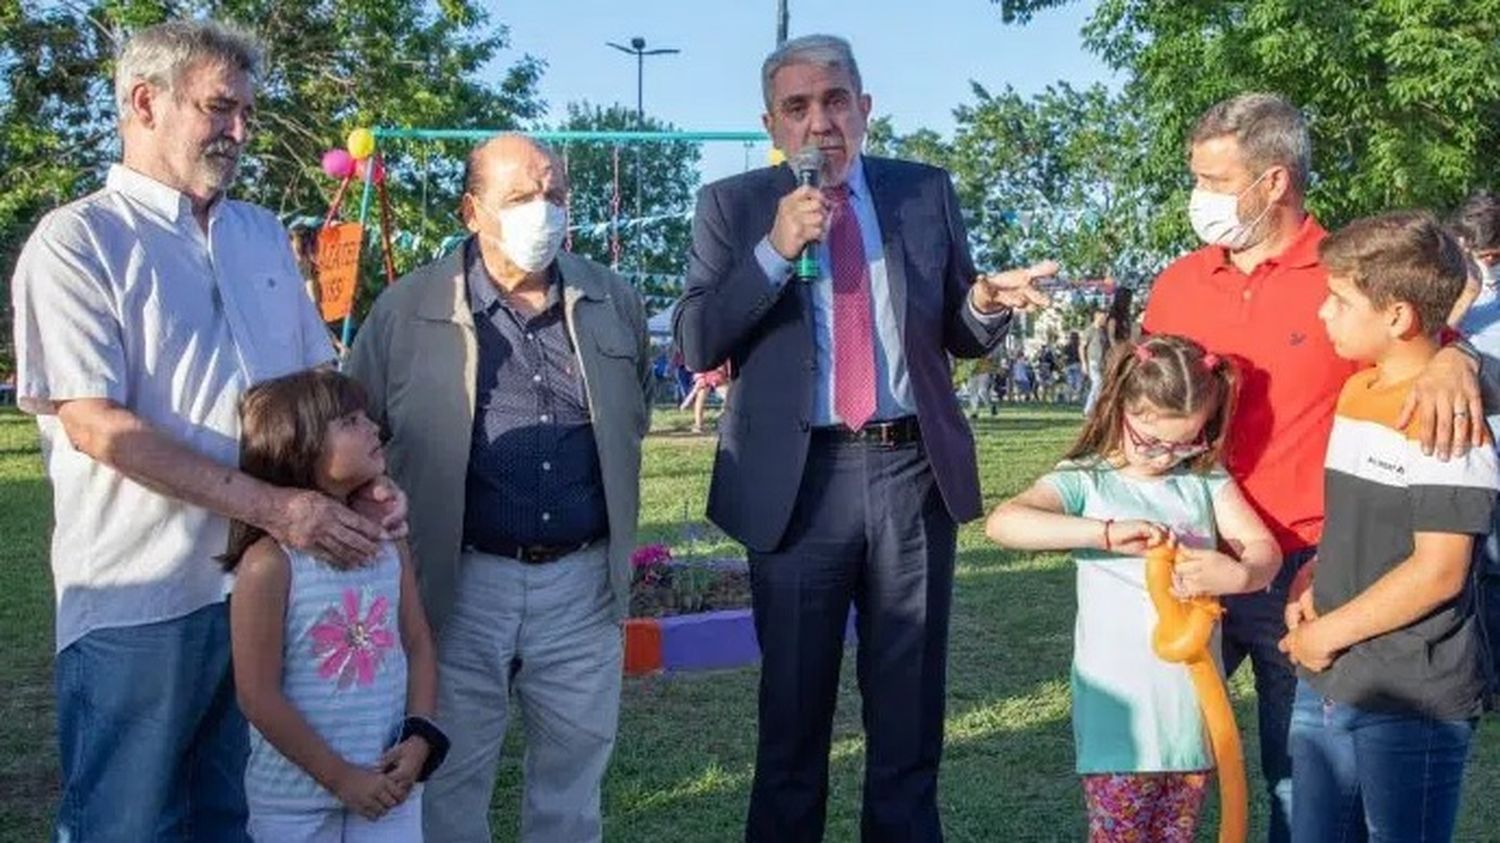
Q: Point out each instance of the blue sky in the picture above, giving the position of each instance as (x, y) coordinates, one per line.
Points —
(916, 58)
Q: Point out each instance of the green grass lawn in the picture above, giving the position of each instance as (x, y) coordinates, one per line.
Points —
(681, 770)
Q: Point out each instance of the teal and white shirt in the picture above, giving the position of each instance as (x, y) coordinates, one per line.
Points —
(1132, 712)
(342, 667)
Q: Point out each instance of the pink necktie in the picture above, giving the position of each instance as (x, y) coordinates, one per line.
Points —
(853, 323)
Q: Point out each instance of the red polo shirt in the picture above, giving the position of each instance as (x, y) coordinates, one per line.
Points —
(1290, 378)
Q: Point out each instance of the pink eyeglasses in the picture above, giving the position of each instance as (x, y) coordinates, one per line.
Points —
(1150, 447)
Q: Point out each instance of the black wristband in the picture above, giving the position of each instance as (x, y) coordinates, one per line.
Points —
(437, 743)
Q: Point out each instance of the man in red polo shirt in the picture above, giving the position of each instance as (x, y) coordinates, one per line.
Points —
(1252, 294)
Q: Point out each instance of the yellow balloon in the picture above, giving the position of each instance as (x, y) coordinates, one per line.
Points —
(776, 157)
(361, 144)
(1182, 636)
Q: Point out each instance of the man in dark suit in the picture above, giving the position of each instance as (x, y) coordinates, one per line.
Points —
(844, 463)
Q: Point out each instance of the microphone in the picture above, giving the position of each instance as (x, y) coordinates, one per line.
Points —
(807, 164)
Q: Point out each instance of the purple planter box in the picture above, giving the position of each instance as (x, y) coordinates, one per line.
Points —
(708, 641)
(714, 640)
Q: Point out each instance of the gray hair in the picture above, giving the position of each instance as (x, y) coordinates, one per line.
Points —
(160, 54)
(823, 50)
(1269, 130)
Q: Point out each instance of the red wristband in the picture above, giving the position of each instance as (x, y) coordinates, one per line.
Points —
(1107, 522)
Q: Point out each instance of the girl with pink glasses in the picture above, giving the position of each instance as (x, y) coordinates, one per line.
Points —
(1145, 470)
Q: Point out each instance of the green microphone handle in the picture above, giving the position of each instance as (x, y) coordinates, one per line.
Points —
(807, 264)
(806, 166)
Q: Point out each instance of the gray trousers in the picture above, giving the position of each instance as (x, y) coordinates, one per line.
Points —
(980, 388)
(1096, 382)
(548, 632)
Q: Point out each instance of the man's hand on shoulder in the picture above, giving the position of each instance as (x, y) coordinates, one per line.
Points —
(315, 523)
(381, 500)
(1445, 404)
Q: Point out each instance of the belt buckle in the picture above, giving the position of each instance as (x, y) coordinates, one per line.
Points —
(541, 554)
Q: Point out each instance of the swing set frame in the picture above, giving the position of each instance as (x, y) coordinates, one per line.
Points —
(619, 139)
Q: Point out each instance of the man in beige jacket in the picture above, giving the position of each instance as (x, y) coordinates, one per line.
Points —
(512, 381)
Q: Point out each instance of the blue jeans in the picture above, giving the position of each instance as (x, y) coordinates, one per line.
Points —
(1374, 776)
(1253, 625)
(151, 741)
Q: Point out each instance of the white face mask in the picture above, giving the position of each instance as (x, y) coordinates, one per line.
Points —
(531, 233)
(1216, 217)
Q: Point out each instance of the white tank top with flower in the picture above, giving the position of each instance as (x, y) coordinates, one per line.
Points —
(342, 667)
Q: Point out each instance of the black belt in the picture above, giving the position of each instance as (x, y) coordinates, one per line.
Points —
(531, 554)
(900, 431)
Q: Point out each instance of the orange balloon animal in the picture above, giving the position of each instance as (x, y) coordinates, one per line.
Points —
(1183, 628)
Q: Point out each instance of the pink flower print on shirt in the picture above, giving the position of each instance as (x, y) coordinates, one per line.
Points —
(352, 646)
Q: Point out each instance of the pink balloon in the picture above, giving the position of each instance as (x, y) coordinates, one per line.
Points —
(338, 163)
(361, 165)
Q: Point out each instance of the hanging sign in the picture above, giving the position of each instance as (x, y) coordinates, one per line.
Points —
(338, 268)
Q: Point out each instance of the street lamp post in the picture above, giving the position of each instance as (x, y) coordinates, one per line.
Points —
(638, 49)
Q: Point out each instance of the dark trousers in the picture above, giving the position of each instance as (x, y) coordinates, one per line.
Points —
(869, 528)
(1487, 581)
(1253, 625)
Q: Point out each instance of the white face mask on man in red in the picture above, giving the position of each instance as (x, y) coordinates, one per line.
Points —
(1216, 217)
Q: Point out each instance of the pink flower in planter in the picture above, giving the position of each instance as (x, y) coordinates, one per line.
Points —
(650, 556)
(352, 646)
(650, 562)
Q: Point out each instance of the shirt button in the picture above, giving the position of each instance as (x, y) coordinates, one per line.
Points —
(546, 466)
(530, 335)
(1246, 295)
(545, 418)
(546, 516)
(536, 378)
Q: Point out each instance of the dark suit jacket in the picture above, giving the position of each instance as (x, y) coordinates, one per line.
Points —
(730, 311)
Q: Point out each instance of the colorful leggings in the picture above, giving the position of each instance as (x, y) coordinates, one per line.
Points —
(1143, 807)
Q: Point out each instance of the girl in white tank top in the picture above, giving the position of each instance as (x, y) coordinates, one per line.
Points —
(334, 667)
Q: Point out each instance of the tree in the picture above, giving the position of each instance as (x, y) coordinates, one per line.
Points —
(1021, 11)
(53, 106)
(1041, 177)
(1403, 98)
(924, 145)
(331, 65)
(656, 242)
